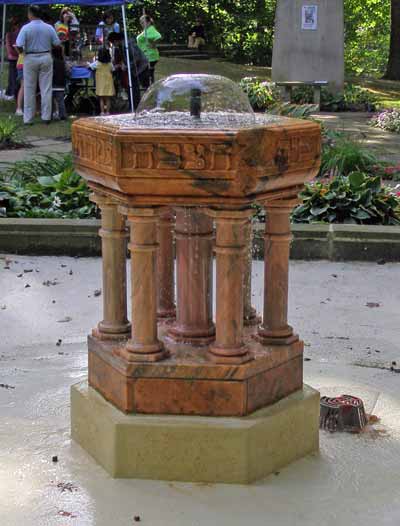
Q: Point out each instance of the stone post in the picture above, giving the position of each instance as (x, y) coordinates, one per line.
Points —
(165, 266)
(275, 329)
(194, 236)
(230, 248)
(114, 235)
(144, 345)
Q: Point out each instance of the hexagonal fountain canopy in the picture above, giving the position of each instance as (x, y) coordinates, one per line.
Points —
(196, 140)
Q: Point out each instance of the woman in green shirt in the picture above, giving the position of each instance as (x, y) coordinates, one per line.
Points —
(147, 42)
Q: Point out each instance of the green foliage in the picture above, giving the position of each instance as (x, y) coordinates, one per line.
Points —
(26, 171)
(53, 194)
(10, 133)
(296, 111)
(262, 94)
(354, 98)
(367, 34)
(343, 155)
(388, 120)
(357, 198)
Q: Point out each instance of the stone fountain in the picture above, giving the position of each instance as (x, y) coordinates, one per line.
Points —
(178, 394)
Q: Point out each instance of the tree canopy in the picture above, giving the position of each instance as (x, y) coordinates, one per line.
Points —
(242, 30)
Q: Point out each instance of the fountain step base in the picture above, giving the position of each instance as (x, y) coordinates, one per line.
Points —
(189, 382)
(236, 450)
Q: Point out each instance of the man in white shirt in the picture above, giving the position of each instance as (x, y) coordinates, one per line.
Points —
(37, 39)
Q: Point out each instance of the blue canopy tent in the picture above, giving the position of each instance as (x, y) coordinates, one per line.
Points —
(87, 3)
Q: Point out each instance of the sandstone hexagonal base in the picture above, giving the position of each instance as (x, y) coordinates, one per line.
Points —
(193, 448)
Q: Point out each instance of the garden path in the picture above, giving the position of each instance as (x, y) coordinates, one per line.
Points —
(40, 145)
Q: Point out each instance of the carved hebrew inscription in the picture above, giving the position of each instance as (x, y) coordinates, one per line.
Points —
(299, 149)
(172, 156)
(93, 149)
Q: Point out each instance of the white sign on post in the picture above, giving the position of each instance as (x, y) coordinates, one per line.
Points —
(309, 17)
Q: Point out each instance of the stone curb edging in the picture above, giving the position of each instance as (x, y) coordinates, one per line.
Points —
(80, 238)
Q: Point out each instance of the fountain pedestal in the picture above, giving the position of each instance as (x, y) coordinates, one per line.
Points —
(189, 397)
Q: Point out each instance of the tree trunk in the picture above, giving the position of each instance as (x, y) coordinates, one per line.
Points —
(393, 68)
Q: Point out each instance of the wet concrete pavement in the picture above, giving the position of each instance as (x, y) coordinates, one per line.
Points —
(347, 313)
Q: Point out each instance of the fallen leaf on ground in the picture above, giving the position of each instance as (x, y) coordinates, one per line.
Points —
(65, 320)
(67, 514)
(49, 282)
(66, 486)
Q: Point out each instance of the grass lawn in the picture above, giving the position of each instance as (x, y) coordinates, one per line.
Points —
(57, 129)
(388, 92)
(169, 66)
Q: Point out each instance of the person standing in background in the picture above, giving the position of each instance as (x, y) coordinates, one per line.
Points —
(105, 88)
(197, 36)
(147, 42)
(105, 27)
(59, 83)
(140, 71)
(20, 78)
(36, 39)
(12, 57)
(62, 28)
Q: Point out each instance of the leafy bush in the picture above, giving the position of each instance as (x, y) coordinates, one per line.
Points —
(54, 194)
(353, 98)
(357, 198)
(10, 133)
(388, 120)
(342, 156)
(262, 94)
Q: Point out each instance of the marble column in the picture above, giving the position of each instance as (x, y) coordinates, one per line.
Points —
(114, 235)
(230, 249)
(250, 314)
(275, 328)
(193, 238)
(143, 346)
(165, 265)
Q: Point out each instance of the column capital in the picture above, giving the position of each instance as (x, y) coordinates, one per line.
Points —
(137, 212)
(277, 205)
(102, 200)
(230, 215)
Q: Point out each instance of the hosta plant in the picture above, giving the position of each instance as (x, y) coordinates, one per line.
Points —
(357, 198)
(64, 195)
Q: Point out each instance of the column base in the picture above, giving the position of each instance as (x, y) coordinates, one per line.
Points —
(103, 334)
(223, 356)
(195, 449)
(143, 353)
(273, 340)
(193, 337)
